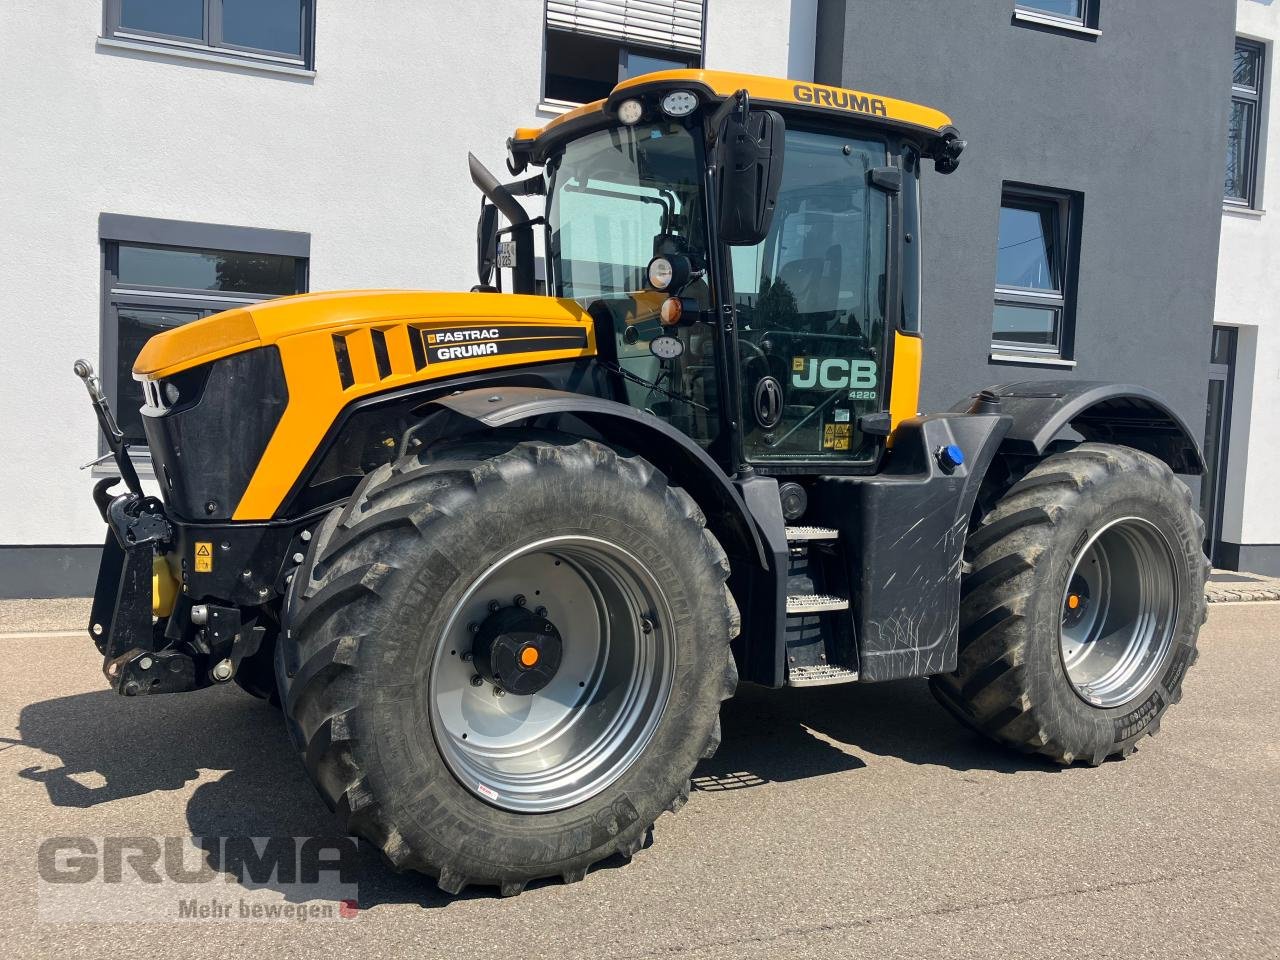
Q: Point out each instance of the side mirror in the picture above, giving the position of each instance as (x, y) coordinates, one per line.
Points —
(486, 242)
(748, 156)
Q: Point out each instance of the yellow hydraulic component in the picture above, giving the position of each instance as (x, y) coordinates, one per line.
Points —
(164, 587)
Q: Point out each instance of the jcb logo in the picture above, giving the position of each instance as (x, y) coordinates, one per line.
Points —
(833, 374)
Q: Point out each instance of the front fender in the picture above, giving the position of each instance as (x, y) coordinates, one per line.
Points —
(1119, 413)
(684, 462)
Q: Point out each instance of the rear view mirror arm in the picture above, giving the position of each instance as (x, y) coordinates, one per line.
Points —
(739, 101)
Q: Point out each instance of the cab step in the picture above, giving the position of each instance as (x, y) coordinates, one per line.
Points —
(795, 534)
(819, 675)
(815, 603)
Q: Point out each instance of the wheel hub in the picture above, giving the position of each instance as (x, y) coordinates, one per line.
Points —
(517, 650)
(1119, 612)
(599, 688)
(1076, 606)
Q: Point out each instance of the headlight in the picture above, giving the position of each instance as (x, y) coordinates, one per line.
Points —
(630, 111)
(679, 103)
(660, 273)
(670, 272)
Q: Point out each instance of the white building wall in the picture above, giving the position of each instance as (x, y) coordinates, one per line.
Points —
(1249, 298)
(368, 157)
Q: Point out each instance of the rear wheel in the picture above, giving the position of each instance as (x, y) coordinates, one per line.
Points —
(1080, 614)
(505, 658)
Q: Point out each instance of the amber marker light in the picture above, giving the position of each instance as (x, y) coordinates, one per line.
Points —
(671, 311)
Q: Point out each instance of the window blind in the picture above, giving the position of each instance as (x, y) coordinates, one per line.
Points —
(671, 24)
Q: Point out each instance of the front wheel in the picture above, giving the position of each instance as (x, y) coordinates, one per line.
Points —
(1080, 613)
(505, 658)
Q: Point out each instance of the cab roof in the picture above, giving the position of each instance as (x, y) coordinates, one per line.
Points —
(534, 144)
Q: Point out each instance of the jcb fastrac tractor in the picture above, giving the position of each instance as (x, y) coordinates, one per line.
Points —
(499, 556)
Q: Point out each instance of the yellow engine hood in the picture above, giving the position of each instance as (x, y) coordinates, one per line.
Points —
(338, 348)
(272, 321)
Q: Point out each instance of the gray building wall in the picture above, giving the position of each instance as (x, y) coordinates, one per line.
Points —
(1134, 119)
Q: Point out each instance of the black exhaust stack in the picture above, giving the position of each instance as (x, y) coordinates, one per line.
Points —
(521, 228)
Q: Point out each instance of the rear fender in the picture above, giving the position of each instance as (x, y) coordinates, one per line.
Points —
(1118, 413)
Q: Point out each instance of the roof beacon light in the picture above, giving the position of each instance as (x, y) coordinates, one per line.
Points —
(630, 112)
(679, 103)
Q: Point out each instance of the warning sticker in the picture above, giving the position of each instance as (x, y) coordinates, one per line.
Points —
(835, 436)
(204, 556)
(797, 364)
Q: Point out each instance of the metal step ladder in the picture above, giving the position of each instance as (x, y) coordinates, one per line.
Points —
(808, 637)
(822, 675)
(815, 603)
(805, 534)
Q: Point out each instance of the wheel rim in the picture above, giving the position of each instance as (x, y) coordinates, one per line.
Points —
(1119, 611)
(574, 737)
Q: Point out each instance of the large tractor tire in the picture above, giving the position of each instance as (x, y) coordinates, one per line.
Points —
(505, 658)
(1080, 612)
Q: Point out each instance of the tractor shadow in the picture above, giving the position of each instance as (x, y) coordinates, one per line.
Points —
(109, 748)
(778, 736)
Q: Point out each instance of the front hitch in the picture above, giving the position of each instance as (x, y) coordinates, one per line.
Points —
(121, 622)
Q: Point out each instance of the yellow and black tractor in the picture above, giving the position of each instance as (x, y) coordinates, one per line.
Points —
(499, 556)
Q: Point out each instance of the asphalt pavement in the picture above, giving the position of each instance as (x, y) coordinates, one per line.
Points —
(840, 821)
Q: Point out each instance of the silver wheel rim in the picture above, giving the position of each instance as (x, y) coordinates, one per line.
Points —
(576, 736)
(1119, 610)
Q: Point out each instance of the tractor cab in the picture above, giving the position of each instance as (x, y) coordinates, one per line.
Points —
(750, 250)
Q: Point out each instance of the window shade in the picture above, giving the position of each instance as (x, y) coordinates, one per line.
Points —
(672, 24)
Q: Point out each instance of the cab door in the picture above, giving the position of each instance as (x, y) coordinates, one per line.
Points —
(811, 303)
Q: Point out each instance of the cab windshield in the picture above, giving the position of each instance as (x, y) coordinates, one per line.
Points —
(618, 198)
(619, 195)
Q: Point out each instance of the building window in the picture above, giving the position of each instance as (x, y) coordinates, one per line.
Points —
(1034, 272)
(164, 273)
(1242, 132)
(271, 30)
(592, 45)
(1083, 13)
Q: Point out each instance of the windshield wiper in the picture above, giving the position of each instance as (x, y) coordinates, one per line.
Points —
(668, 208)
